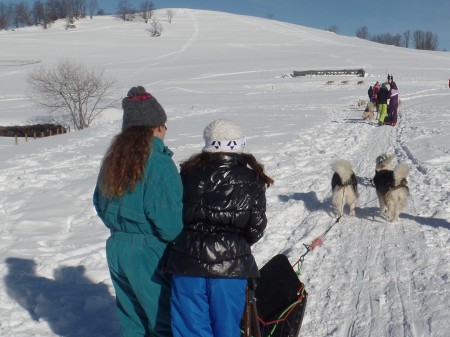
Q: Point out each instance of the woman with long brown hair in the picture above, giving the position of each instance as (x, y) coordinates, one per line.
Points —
(224, 206)
(138, 197)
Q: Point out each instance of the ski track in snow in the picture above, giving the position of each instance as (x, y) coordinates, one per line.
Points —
(374, 289)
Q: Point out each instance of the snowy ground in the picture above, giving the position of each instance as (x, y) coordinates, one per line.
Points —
(370, 278)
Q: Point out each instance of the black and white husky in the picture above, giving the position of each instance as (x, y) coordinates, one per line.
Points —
(344, 187)
(391, 186)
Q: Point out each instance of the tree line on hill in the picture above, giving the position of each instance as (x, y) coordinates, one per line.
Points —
(43, 12)
(40, 12)
(424, 40)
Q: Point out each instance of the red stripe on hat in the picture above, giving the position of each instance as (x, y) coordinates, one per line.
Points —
(141, 97)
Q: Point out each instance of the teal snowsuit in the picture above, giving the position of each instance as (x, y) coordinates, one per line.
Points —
(142, 223)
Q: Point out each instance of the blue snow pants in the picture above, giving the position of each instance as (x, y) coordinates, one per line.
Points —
(207, 307)
(142, 289)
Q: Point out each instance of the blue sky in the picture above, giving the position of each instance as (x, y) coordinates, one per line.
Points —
(396, 16)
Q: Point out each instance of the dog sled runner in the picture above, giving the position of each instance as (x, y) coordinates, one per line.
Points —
(275, 302)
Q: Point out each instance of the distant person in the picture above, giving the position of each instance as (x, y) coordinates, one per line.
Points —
(376, 88)
(224, 206)
(393, 105)
(370, 94)
(139, 198)
(382, 98)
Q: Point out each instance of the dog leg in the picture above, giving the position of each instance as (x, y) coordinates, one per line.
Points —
(340, 207)
(391, 209)
(352, 208)
(352, 199)
(401, 203)
(338, 201)
(382, 204)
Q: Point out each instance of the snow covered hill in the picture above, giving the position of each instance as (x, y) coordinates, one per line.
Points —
(370, 278)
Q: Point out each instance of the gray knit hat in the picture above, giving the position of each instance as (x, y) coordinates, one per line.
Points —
(141, 109)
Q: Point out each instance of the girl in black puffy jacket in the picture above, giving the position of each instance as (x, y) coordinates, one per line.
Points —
(224, 207)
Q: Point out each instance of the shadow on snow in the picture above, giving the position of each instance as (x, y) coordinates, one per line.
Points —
(71, 304)
(312, 204)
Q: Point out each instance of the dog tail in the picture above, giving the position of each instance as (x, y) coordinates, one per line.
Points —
(343, 168)
(400, 173)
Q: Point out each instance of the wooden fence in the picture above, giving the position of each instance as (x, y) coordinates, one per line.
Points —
(358, 72)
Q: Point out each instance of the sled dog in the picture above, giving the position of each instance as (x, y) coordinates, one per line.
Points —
(369, 112)
(391, 186)
(344, 187)
(368, 115)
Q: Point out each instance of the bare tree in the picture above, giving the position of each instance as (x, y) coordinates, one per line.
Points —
(363, 33)
(333, 29)
(419, 38)
(397, 40)
(92, 7)
(81, 6)
(425, 40)
(406, 38)
(387, 38)
(432, 41)
(125, 10)
(5, 16)
(147, 9)
(74, 9)
(38, 14)
(156, 27)
(21, 14)
(71, 89)
(170, 15)
(54, 10)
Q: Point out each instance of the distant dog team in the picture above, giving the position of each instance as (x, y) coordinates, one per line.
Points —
(390, 185)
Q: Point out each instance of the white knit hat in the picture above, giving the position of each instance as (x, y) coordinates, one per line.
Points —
(223, 135)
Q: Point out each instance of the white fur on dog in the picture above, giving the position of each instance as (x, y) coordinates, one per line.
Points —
(347, 194)
(368, 116)
(384, 162)
(369, 112)
(393, 201)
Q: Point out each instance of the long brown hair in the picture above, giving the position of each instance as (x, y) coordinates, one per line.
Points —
(124, 162)
(206, 159)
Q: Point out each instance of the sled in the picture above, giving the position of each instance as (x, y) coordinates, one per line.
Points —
(276, 301)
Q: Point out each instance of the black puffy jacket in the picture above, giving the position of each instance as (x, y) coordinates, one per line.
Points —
(382, 96)
(224, 214)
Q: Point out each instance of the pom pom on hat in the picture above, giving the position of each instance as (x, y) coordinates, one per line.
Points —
(223, 135)
(141, 109)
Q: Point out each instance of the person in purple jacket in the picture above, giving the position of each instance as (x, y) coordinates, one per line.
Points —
(393, 105)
